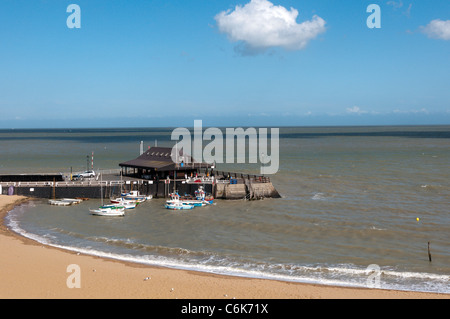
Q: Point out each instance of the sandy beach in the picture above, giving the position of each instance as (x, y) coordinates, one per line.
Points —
(30, 270)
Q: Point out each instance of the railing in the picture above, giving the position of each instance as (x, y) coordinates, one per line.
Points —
(253, 177)
(193, 165)
(56, 184)
(224, 181)
(201, 180)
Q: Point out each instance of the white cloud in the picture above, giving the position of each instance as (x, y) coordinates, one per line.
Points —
(408, 11)
(395, 4)
(260, 25)
(355, 110)
(437, 29)
(398, 5)
(422, 110)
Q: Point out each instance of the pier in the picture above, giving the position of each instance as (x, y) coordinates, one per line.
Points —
(240, 186)
(152, 173)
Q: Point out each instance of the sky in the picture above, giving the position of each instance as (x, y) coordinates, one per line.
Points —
(157, 63)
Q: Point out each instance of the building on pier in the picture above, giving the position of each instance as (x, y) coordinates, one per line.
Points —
(157, 163)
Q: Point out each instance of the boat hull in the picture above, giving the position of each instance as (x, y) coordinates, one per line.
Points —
(108, 211)
(127, 204)
(179, 206)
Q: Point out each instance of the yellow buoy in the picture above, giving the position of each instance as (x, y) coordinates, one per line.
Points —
(417, 219)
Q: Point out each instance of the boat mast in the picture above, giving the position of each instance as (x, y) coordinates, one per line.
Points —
(101, 186)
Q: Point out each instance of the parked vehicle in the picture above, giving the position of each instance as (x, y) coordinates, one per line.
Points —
(81, 176)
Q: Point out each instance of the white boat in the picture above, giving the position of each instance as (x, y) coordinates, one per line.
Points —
(112, 210)
(73, 200)
(178, 205)
(195, 202)
(201, 195)
(175, 203)
(59, 202)
(108, 211)
(134, 195)
(64, 201)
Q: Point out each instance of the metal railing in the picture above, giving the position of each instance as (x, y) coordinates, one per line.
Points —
(232, 175)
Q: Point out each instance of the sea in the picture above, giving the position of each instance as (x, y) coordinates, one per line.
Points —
(360, 207)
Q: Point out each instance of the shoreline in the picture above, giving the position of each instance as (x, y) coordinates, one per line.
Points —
(29, 269)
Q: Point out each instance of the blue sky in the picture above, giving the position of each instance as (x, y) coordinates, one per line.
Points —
(229, 63)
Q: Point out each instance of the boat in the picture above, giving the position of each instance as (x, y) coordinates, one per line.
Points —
(201, 195)
(175, 203)
(59, 202)
(108, 210)
(188, 200)
(64, 201)
(178, 205)
(135, 195)
(73, 200)
(112, 210)
(127, 204)
(195, 202)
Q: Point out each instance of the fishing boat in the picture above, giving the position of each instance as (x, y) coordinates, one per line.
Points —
(175, 203)
(178, 205)
(195, 202)
(201, 195)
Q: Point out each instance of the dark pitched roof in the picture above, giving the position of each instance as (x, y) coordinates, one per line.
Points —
(159, 158)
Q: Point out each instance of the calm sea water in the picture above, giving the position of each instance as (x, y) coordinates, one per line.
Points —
(351, 198)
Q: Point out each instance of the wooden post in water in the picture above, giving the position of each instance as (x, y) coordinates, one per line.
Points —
(429, 253)
(54, 189)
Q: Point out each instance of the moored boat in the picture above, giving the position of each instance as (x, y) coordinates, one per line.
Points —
(108, 210)
(64, 201)
(175, 203)
(127, 204)
(59, 202)
(135, 195)
(178, 205)
(201, 195)
(195, 202)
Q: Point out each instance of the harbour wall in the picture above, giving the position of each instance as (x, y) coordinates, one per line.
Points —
(97, 190)
(160, 189)
(229, 186)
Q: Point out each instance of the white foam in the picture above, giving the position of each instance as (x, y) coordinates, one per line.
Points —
(318, 196)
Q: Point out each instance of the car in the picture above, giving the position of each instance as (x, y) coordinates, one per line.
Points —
(86, 174)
